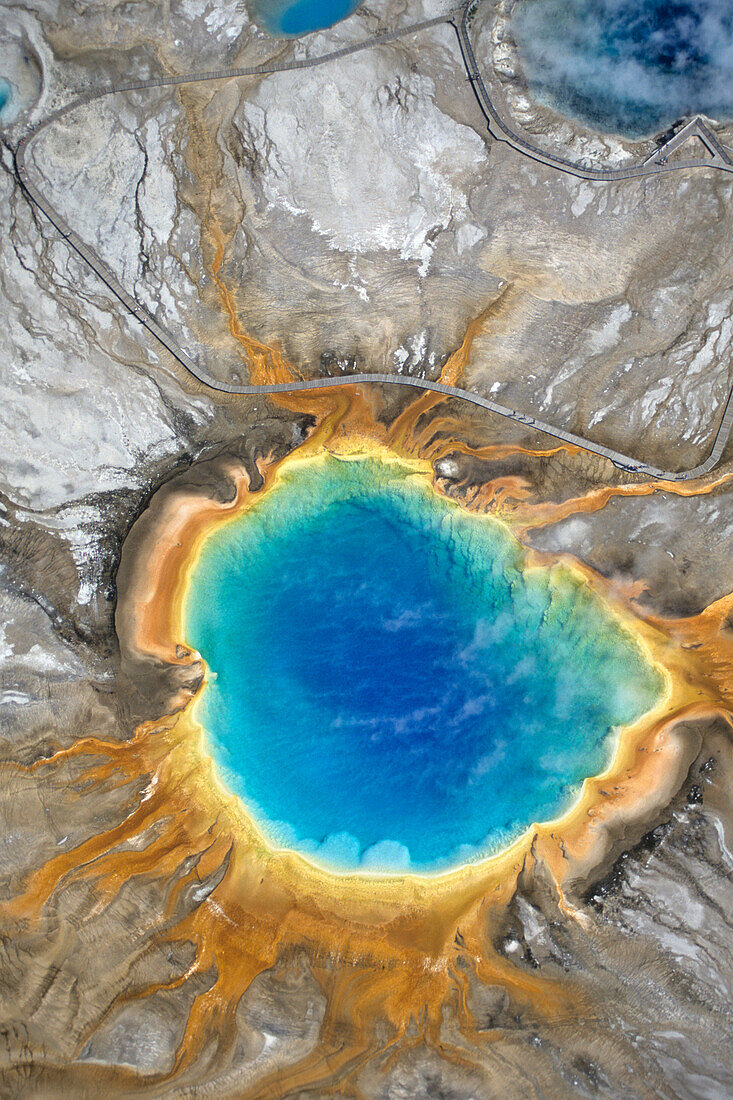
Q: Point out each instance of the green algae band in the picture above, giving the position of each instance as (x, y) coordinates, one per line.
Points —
(394, 687)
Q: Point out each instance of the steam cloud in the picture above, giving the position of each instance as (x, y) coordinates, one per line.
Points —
(630, 66)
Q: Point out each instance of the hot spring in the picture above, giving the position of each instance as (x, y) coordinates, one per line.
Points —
(291, 18)
(392, 686)
(6, 93)
(626, 66)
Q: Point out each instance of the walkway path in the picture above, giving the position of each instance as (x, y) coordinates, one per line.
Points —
(497, 127)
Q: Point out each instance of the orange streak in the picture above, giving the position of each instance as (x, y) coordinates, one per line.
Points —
(384, 951)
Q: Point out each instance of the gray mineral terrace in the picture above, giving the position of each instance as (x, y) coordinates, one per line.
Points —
(500, 130)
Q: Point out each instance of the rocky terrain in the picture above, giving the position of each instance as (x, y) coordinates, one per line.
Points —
(353, 216)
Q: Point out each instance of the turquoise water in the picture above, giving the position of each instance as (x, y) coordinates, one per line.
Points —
(628, 66)
(290, 19)
(393, 689)
(6, 93)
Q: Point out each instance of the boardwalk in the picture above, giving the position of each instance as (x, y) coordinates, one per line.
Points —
(500, 130)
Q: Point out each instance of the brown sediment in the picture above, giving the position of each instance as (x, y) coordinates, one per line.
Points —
(345, 410)
(395, 941)
(384, 950)
(527, 515)
(708, 638)
(266, 364)
(401, 435)
(389, 952)
(513, 496)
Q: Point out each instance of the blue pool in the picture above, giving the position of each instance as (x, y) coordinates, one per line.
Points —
(290, 18)
(628, 66)
(394, 687)
(6, 93)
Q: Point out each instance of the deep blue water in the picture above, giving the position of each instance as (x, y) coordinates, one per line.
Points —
(392, 688)
(290, 18)
(628, 66)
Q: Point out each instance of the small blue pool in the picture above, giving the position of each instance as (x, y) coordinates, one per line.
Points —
(290, 18)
